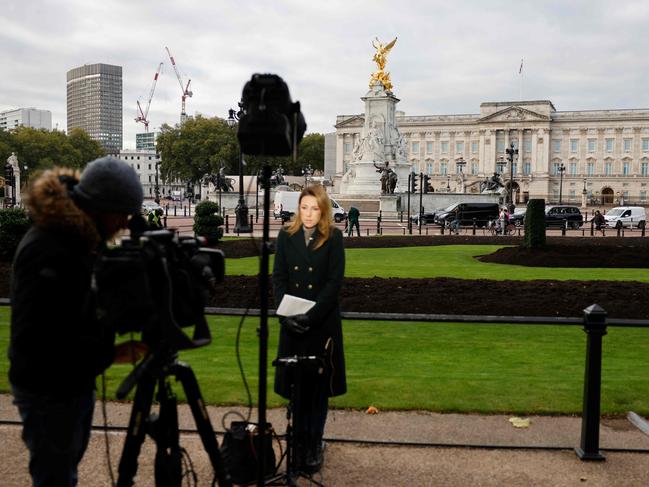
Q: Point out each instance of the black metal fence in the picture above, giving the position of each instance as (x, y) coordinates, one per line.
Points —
(594, 322)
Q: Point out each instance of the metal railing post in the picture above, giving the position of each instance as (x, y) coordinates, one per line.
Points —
(595, 328)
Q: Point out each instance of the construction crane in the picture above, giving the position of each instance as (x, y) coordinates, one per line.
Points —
(185, 89)
(142, 115)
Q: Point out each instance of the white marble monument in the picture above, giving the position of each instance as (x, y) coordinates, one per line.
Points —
(379, 164)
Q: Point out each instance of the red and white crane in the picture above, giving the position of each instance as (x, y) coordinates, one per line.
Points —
(143, 114)
(185, 89)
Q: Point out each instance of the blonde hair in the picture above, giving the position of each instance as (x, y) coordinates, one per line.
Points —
(325, 225)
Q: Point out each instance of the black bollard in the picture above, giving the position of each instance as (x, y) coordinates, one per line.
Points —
(595, 328)
(227, 223)
(592, 228)
(474, 226)
(164, 221)
(174, 210)
(251, 226)
(619, 230)
(563, 228)
(642, 234)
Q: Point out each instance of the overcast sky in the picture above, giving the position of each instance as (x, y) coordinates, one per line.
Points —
(450, 55)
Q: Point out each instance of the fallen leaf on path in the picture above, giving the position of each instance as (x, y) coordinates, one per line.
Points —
(372, 410)
(519, 422)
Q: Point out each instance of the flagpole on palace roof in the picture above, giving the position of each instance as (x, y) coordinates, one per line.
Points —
(520, 73)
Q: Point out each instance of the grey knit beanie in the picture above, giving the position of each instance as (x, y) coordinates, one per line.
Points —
(109, 185)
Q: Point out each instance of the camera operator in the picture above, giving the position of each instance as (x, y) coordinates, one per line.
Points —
(57, 346)
(310, 264)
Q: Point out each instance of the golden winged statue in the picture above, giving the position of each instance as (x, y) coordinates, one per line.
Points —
(380, 58)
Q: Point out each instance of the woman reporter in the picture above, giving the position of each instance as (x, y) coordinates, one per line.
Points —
(310, 264)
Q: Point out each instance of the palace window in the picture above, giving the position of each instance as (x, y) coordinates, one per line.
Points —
(626, 169)
(445, 147)
(610, 145)
(429, 168)
(500, 146)
(608, 169)
(572, 195)
(429, 147)
(527, 168)
(590, 169)
(643, 196)
(592, 145)
(627, 145)
(572, 168)
(443, 168)
(574, 144)
(644, 169)
(556, 145)
(527, 146)
(414, 148)
(474, 168)
(347, 148)
(474, 147)
(645, 145)
(459, 147)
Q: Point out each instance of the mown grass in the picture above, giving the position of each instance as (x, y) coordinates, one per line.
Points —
(456, 261)
(432, 366)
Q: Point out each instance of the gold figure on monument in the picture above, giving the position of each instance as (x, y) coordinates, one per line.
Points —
(380, 58)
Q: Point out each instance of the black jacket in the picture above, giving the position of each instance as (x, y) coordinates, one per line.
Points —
(317, 275)
(57, 347)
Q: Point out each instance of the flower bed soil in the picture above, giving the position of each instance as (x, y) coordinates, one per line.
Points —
(480, 297)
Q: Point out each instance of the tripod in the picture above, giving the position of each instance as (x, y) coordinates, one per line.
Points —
(157, 368)
(297, 364)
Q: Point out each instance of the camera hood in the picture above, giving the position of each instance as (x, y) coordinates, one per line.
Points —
(271, 123)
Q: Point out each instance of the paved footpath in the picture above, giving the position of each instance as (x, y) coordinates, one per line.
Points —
(352, 459)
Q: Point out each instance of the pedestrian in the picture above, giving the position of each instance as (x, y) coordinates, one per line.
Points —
(310, 264)
(503, 220)
(353, 218)
(57, 346)
(599, 221)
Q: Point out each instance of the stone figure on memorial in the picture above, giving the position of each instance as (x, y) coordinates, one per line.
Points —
(493, 184)
(380, 58)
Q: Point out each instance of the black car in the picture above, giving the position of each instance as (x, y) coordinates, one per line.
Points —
(427, 218)
(560, 215)
(518, 217)
(481, 213)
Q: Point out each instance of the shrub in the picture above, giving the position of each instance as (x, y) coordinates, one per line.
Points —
(535, 223)
(207, 222)
(14, 223)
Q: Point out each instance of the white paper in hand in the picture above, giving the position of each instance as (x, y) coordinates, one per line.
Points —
(292, 305)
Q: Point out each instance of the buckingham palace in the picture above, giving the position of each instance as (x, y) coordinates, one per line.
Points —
(603, 154)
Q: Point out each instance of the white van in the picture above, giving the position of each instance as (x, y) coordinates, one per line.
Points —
(285, 206)
(626, 216)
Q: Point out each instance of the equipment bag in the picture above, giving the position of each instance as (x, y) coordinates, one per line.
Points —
(240, 451)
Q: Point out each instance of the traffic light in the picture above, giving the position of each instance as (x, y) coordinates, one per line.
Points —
(9, 175)
(426, 183)
(413, 182)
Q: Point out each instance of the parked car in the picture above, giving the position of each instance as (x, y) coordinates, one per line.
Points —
(518, 217)
(626, 216)
(559, 215)
(481, 213)
(149, 206)
(428, 217)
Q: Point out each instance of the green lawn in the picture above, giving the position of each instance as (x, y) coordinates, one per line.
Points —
(439, 367)
(447, 261)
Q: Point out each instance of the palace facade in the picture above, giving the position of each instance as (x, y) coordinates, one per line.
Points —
(602, 153)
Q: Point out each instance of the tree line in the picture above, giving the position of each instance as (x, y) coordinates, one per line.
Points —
(188, 152)
(40, 149)
(204, 145)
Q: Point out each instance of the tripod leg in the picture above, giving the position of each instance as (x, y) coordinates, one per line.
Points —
(136, 431)
(187, 378)
(164, 430)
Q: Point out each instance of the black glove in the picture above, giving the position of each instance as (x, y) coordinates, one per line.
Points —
(297, 325)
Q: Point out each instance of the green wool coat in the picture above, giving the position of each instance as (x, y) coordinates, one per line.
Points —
(317, 275)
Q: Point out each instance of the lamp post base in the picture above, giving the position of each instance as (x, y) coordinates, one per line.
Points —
(242, 225)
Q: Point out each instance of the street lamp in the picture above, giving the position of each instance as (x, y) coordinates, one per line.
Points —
(156, 189)
(561, 170)
(511, 152)
(241, 211)
(460, 166)
(448, 185)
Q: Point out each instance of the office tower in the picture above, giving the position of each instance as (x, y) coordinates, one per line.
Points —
(95, 103)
